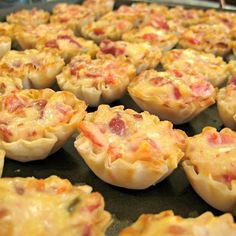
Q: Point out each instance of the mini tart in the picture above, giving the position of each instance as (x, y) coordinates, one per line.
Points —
(212, 16)
(36, 123)
(168, 224)
(7, 29)
(207, 38)
(194, 62)
(210, 167)
(72, 16)
(99, 7)
(188, 17)
(106, 29)
(142, 55)
(129, 149)
(27, 37)
(172, 95)
(226, 104)
(67, 45)
(155, 37)
(31, 17)
(96, 81)
(9, 85)
(36, 69)
(160, 22)
(232, 67)
(5, 45)
(2, 157)
(50, 206)
(134, 13)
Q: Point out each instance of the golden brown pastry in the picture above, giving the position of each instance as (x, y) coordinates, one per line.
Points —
(168, 224)
(129, 149)
(36, 123)
(97, 81)
(50, 206)
(210, 167)
(172, 95)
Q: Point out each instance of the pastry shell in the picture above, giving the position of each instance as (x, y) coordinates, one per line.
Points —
(137, 174)
(104, 86)
(53, 136)
(166, 223)
(5, 45)
(36, 69)
(178, 111)
(215, 192)
(226, 105)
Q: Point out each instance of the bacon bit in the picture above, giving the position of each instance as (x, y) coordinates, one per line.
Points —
(222, 45)
(87, 230)
(228, 177)
(138, 116)
(63, 20)
(233, 81)
(108, 47)
(41, 103)
(194, 41)
(52, 44)
(93, 133)
(19, 190)
(3, 212)
(202, 89)
(177, 73)
(70, 39)
(220, 139)
(177, 93)
(98, 31)
(176, 230)
(6, 133)
(160, 23)
(110, 80)
(121, 25)
(91, 75)
(93, 207)
(117, 126)
(150, 37)
(12, 103)
(114, 152)
(159, 81)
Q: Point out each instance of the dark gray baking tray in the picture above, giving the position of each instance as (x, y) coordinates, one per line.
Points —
(173, 193)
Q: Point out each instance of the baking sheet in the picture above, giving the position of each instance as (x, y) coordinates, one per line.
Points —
(173, 193)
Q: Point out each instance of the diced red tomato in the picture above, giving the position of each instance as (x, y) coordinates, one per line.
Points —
(98, 31)
(70, 39)
(117, 126)
(194, 41)
(150, 37)
(177, 93)
(13, 103)
(52, 44)
(93, 133)
(220, 139)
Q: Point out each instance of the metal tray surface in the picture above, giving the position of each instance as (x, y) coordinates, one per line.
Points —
(173, 193)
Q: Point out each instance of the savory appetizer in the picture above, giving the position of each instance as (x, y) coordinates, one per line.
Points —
(210, 167)
(36, 69)
(50, 206)
(226, 104)
(195, 62)
(172, 95)
(129, 149)
(96, 81)
(36, 123)
(168, 224)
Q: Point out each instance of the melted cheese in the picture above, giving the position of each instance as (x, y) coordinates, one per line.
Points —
(50, 207)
